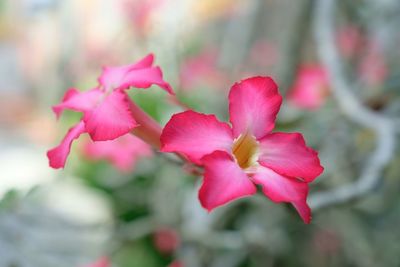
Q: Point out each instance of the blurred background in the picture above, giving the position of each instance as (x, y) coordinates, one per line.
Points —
(146, 213)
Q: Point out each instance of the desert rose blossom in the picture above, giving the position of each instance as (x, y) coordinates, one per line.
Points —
(238, 158)
(201, 69)
(142, 12)
(349, 39)
(373, 69)
(102, 262)
(108, 112)
(122, 152)
(310, 88)
(166, 240)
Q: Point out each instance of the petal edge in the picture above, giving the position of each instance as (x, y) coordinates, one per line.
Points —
(223, 182)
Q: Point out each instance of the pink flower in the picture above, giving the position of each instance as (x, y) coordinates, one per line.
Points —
(373, 68)
(311, 87)
(102, 262)
(141, 12)
(349, 40)
(107, 109)
(201, 69)
(122, 152)
(166, 240)
(238, 158)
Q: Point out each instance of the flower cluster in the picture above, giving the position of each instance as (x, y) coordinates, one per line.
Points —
(107, 109)
(236, 157)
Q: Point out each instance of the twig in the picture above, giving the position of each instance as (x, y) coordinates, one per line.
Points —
(353, 109)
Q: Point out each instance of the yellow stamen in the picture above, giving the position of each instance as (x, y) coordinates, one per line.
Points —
(245, 149)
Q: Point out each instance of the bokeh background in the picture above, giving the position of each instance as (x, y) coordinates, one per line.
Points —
(149, 215)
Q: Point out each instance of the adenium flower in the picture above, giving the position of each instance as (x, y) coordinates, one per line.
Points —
(310, 88)
(107, 109)
(166, 240)
(373, 69)
(142, 12)
(122, 152)
(349, 40)
(201, 69)
(236, 158)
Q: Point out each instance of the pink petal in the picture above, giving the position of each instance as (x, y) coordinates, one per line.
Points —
(78, 101)
(284, 189)
(195, 135)
(287, 154)
(145, 62)
(304, 210)
(253, 106)
(223, 181)
(144, 78)
(58, 155)
(140, 74)
(121, 152)
(112, 77)
(280, 188)
(112, 118)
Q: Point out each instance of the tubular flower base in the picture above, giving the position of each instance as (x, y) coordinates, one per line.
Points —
(238, 158)
(107, 109)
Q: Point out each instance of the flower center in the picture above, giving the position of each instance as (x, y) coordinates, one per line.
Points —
(245, 149)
